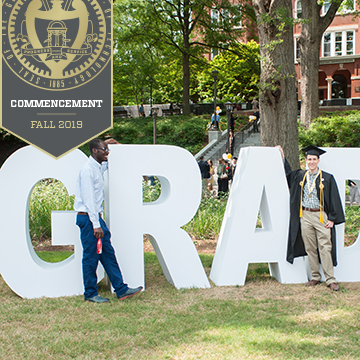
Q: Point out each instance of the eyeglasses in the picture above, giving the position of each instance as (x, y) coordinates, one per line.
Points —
(104, 149)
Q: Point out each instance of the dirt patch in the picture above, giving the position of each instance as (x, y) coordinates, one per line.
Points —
(45, 245)
(202, 246)
(55, 248)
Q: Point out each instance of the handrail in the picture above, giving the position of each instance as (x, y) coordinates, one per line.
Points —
(241, 134)
(205, 149)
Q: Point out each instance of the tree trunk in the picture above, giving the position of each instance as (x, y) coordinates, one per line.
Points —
(278, 105)
(310, 41)
(186, 83)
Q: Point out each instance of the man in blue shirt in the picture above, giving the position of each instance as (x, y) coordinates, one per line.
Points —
(89, 197)
(215, 121)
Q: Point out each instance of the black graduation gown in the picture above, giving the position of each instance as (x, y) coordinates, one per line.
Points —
(332, 207)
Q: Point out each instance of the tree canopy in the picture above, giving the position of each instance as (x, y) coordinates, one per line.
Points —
(179, 29)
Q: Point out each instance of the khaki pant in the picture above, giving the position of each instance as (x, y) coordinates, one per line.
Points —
(315, 237)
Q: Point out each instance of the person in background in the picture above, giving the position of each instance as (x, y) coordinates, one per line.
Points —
(354, 193)
(205, 172)
(234, 162)
(232, 121)
(256, 120)
(171, 108)
(231, 144)
(212, 172)
(141, 111)
(255, 104)
(223, 183)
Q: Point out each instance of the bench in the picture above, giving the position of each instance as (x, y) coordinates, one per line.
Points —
(121, 113)
(169, 112)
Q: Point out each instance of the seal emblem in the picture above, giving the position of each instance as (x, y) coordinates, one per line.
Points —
(57, 44)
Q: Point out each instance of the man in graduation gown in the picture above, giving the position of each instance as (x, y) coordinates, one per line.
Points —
(315, 207)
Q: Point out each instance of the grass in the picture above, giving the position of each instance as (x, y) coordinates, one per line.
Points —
(54, 256)
(261, 320)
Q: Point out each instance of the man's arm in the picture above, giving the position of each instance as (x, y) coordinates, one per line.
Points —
(88, 198)
(111, 141)
(288, 171)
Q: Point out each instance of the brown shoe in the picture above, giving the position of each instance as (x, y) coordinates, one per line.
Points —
(334, 286)
(313, 283)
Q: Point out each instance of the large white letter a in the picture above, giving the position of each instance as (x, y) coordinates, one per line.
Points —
(259, 185)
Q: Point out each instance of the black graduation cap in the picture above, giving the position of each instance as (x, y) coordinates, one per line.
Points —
(313, 150)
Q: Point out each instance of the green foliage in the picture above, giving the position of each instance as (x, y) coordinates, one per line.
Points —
(183, 131)
(165, 42)
(151, 192)
(239, 74)
(206, 224)
(352, 224)
(47, 195)
(337, 129)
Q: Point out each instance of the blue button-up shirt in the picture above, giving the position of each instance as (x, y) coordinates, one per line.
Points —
(89, 192)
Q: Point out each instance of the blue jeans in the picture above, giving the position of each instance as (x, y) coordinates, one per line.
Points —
(91, 259)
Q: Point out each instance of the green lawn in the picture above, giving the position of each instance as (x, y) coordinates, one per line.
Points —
(261, 320)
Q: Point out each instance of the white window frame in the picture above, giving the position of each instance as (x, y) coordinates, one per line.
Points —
(343, 9)
(297, 8)
(213, 53)
(325, 7)
(218, 15)
(296, 44)
(343, 44)
(215, 15)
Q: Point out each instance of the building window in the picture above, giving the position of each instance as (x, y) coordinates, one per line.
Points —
(237, 21)
(349, 43)
(326, 7)
(223, 17)
(338, 43)
(215, 15)
(298, 10)
(214, 52)
(327, 44)
(297, 49)
(346, 7)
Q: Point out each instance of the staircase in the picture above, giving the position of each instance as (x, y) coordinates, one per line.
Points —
(216, 149)
(253, 140)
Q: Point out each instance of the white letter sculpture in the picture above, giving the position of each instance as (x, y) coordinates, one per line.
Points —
(162, 219)
(21, 268)
(344, 164)
(259, 184)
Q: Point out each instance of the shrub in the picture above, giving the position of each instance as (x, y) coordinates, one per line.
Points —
(337, 129)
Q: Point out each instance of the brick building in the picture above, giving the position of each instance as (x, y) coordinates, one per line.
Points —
(339, 74)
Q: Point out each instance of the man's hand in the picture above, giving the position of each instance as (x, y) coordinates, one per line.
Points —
(281, 150)
(111, 141)
(98, 232)
(329, 224)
